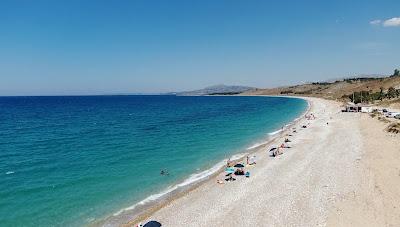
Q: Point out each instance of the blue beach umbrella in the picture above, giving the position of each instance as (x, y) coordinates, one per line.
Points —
(230, 170)
(152, 224)
(239, 165)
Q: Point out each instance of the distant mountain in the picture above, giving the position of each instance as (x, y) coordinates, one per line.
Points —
(217, 90)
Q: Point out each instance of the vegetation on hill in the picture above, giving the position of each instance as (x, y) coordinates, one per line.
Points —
(356, 89)
(367, 96)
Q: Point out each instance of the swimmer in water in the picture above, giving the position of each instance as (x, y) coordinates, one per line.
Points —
(164, 172)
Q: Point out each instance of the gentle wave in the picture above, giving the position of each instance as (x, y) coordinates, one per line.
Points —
(238, 156)
(284, 127)
(197, 177)
(202, 175)
(146, 132)
(275, 132)
(256, 145)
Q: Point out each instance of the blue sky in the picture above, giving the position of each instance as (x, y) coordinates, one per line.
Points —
(100, 47)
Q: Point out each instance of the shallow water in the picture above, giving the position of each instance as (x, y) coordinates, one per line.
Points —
(73, 160)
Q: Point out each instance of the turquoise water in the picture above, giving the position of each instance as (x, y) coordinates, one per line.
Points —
(73, 160)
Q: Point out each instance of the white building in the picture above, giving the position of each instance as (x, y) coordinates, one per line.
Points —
(351, 107)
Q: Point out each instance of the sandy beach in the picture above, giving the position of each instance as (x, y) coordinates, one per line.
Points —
(375, 199)
(342, 170)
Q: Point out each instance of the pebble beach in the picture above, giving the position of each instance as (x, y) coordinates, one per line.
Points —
(325, 178)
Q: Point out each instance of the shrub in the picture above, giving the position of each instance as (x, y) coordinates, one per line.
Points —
(287, 92)
(393, 128)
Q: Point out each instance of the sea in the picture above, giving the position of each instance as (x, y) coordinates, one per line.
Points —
(75, 160)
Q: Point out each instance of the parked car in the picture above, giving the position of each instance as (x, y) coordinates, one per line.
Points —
(397, 116)
(392, 114)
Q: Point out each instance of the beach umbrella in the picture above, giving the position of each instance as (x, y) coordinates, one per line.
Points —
(230, 170)
(152, 224)
(239, 165)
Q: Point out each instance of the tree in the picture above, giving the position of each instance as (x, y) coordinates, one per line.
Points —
(381, 94)
(391, 93)
(360, 96)
(396, 72)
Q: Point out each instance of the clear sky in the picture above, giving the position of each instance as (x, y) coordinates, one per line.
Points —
(96, 47)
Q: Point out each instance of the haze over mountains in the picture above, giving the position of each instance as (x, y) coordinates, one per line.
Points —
(217, 90)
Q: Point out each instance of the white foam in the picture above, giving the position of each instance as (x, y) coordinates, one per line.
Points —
(237, 156)
(284, 127)
(202, 175)
(256, 145)
(275, 132)
(9, 172)
(190, 180)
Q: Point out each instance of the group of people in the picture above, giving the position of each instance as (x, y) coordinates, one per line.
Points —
(275, 151)
(250, 160)
(237, 169)
(311, 116)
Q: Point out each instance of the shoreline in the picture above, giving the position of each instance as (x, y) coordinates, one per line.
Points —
(208, 192)
(149, 206)
(331, 176)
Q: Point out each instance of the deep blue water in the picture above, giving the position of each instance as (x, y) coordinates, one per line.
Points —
(71, 160)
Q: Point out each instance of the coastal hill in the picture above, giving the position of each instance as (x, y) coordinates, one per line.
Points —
(370, 88)
(217, 90)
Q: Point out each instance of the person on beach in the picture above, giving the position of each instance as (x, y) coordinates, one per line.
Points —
(251, 160)
(239, 172)
(230, 178)
(278, 151)
(228, 163)
(273, 152)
